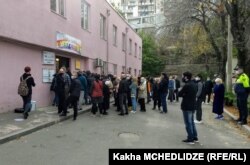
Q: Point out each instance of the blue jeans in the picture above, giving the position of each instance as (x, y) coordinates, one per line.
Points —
(164, 102)
(27, 103)
(134, 103)
(188, 117)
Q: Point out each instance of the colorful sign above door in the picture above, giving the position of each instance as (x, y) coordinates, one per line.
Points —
(68, 43)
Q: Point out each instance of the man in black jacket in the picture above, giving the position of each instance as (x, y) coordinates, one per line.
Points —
(188, 93)
(74, 94)
(122, 93)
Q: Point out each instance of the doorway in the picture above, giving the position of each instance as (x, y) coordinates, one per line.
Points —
(62, 61)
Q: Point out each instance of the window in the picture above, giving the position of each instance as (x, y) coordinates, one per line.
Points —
(135, 73)
(58, 6)
(139, 52)
(130, 46)
(115, 69)
(129, 70)
(135, 49)
(123, 42)
(124, 69)
(85, 15)
(114, 35)
(103, 27)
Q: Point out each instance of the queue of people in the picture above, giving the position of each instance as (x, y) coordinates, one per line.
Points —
(79, 88)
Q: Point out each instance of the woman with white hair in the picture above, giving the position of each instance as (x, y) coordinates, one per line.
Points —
(218, 103)
(142, 94)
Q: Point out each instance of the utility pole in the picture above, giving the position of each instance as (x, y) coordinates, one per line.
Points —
(229, 56)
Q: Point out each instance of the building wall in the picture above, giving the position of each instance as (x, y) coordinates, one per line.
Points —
(27, 29)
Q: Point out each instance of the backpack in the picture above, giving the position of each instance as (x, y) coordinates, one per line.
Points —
(23, 89)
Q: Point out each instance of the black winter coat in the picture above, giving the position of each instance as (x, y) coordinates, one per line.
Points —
(75, 88)
(188, 93)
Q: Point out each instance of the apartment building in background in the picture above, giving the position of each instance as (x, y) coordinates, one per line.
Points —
(141, 14)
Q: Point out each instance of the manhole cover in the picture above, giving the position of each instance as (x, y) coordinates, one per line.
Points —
(128, 135)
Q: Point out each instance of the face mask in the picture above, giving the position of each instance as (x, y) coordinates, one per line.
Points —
(183, 79)
(197, 78)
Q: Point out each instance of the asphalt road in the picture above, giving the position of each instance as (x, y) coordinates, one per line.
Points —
(88, 139)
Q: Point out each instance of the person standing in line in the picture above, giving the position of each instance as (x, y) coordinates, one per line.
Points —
(106, 95)
(177, 86)
(133, 88)
(60, 89)
(188, 93)
(74, 94)
(53, 88)
(171, 88)
(96, 91)
(156, 95)
(163, 91)
(149, 89)
(218, 103)
(83, 81)
(142, 94)
(27, 99)
(199, 98)
(122, 94)
(208, 90)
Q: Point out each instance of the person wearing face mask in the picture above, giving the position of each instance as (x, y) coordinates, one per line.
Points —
(241, 89)
(199, 98)
(188, 94)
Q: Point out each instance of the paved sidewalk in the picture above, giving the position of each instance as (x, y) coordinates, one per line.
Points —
(12, 125)
(246, 128)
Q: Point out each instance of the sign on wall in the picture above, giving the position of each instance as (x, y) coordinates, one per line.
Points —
(68, 43)
(48, 58)
(48, 75)
(78, 64)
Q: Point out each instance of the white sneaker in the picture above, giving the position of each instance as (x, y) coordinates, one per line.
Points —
(198, 122)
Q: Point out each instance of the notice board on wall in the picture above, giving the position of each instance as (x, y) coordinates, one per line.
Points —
(48, 75)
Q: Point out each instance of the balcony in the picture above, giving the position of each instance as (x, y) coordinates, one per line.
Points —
(146, 4)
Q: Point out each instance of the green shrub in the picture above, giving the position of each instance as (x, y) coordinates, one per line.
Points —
(230, 99)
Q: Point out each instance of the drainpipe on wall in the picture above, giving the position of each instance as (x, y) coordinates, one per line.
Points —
(107, 57)
(126, 43)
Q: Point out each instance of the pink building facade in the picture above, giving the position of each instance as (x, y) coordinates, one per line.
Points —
(49, 34)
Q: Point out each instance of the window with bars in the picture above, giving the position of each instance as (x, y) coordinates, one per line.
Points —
(130, 46)
(135, 49)
(140, 51)
(58, 6)
(114, 35)
(85, 15)
(103, 27)
(115, 69)
(123, 42)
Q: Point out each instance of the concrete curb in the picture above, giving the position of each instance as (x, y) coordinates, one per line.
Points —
(246, 128)
(27, 131)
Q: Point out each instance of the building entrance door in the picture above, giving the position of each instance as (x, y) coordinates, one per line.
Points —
(62, 62)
